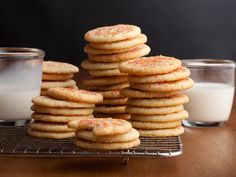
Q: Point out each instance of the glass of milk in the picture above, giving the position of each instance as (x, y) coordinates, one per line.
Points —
(20, 81)
(211, 98)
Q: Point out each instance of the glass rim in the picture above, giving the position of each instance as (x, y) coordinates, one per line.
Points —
(20, 53)
(196, 63)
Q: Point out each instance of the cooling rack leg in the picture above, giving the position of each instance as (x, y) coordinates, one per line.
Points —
(125, 160)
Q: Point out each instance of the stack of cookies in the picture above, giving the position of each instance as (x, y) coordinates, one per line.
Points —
(57, 74)
(105, 134)
(62, 105)
(108, 47)
(155, 101)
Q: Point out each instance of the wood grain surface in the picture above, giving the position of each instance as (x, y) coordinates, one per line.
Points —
(208, 152)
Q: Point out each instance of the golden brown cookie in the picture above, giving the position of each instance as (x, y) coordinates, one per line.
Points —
(109, 87)
(150, 65)
(155, 125)
(111, 94)
(53, 67)
(91, 65)
(107, 72)
(114, 101)
(160, 118)
(50, 84)
(162, 133)
(102, 127)
(90, 50)
(89, 136)
(71, 94)
(51, 135)
(178, 99)
(62, 111)
(106, 146)
(178, 74)
(110, 109)
(133, 93)
(164, 87)
(101, 81)
(57, 77)
(50, 127)
(51, 102)
(138, 52)
(127, 43)
(58, 118)
(112, 33)
(115, 116)
(153, 111)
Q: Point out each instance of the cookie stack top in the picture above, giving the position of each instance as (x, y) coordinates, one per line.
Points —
(108, 47)
(62, 105)
(105, 134)
(57, 74)
(155, 101)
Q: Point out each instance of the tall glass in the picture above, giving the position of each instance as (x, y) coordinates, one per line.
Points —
(212, 96)
(20, 81)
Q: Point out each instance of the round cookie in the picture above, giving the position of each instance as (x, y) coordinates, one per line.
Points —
(150, 65)
(115, 116)
(90, 50)
(132, 93)
(57, 118)
(106, 146)
(114, 101)
(49, 84)
(110, 109)
(164, 87)
(153, 111)
(140, 39)
(178, 74)
(160, 118)
(155, 125)
(102, 127)
(110, 87)
(50, 127)
(91, 65)
(62, 111)
(71, 94)
(51, 102)
(112, 33)
(51, 135)
(131, 135)
(111, 94)
(178, 99)
(162, 133)
(53, 67)
(57, 77)
(101, 81)
(138, 52)
(107, 72)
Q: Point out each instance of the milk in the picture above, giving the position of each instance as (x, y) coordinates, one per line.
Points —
(210, 102)
(15, 102)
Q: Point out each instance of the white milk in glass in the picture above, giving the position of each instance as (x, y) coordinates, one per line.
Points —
(210, 102)
(15, 103)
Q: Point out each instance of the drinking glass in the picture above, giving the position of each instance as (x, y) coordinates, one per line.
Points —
(20, 81)
(212, 96)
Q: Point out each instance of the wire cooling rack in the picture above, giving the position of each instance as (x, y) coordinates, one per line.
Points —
(15, 141)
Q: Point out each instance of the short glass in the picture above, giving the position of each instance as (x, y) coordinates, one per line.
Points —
(211, 98)
(20, 81)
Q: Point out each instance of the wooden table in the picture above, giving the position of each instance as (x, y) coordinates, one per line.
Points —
(207, 152)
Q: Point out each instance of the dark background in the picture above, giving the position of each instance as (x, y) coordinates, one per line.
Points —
(182, 28)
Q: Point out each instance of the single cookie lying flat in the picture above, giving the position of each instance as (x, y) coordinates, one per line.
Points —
(150, 65)
(112, 33)
(53, 67)
(71, 94)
